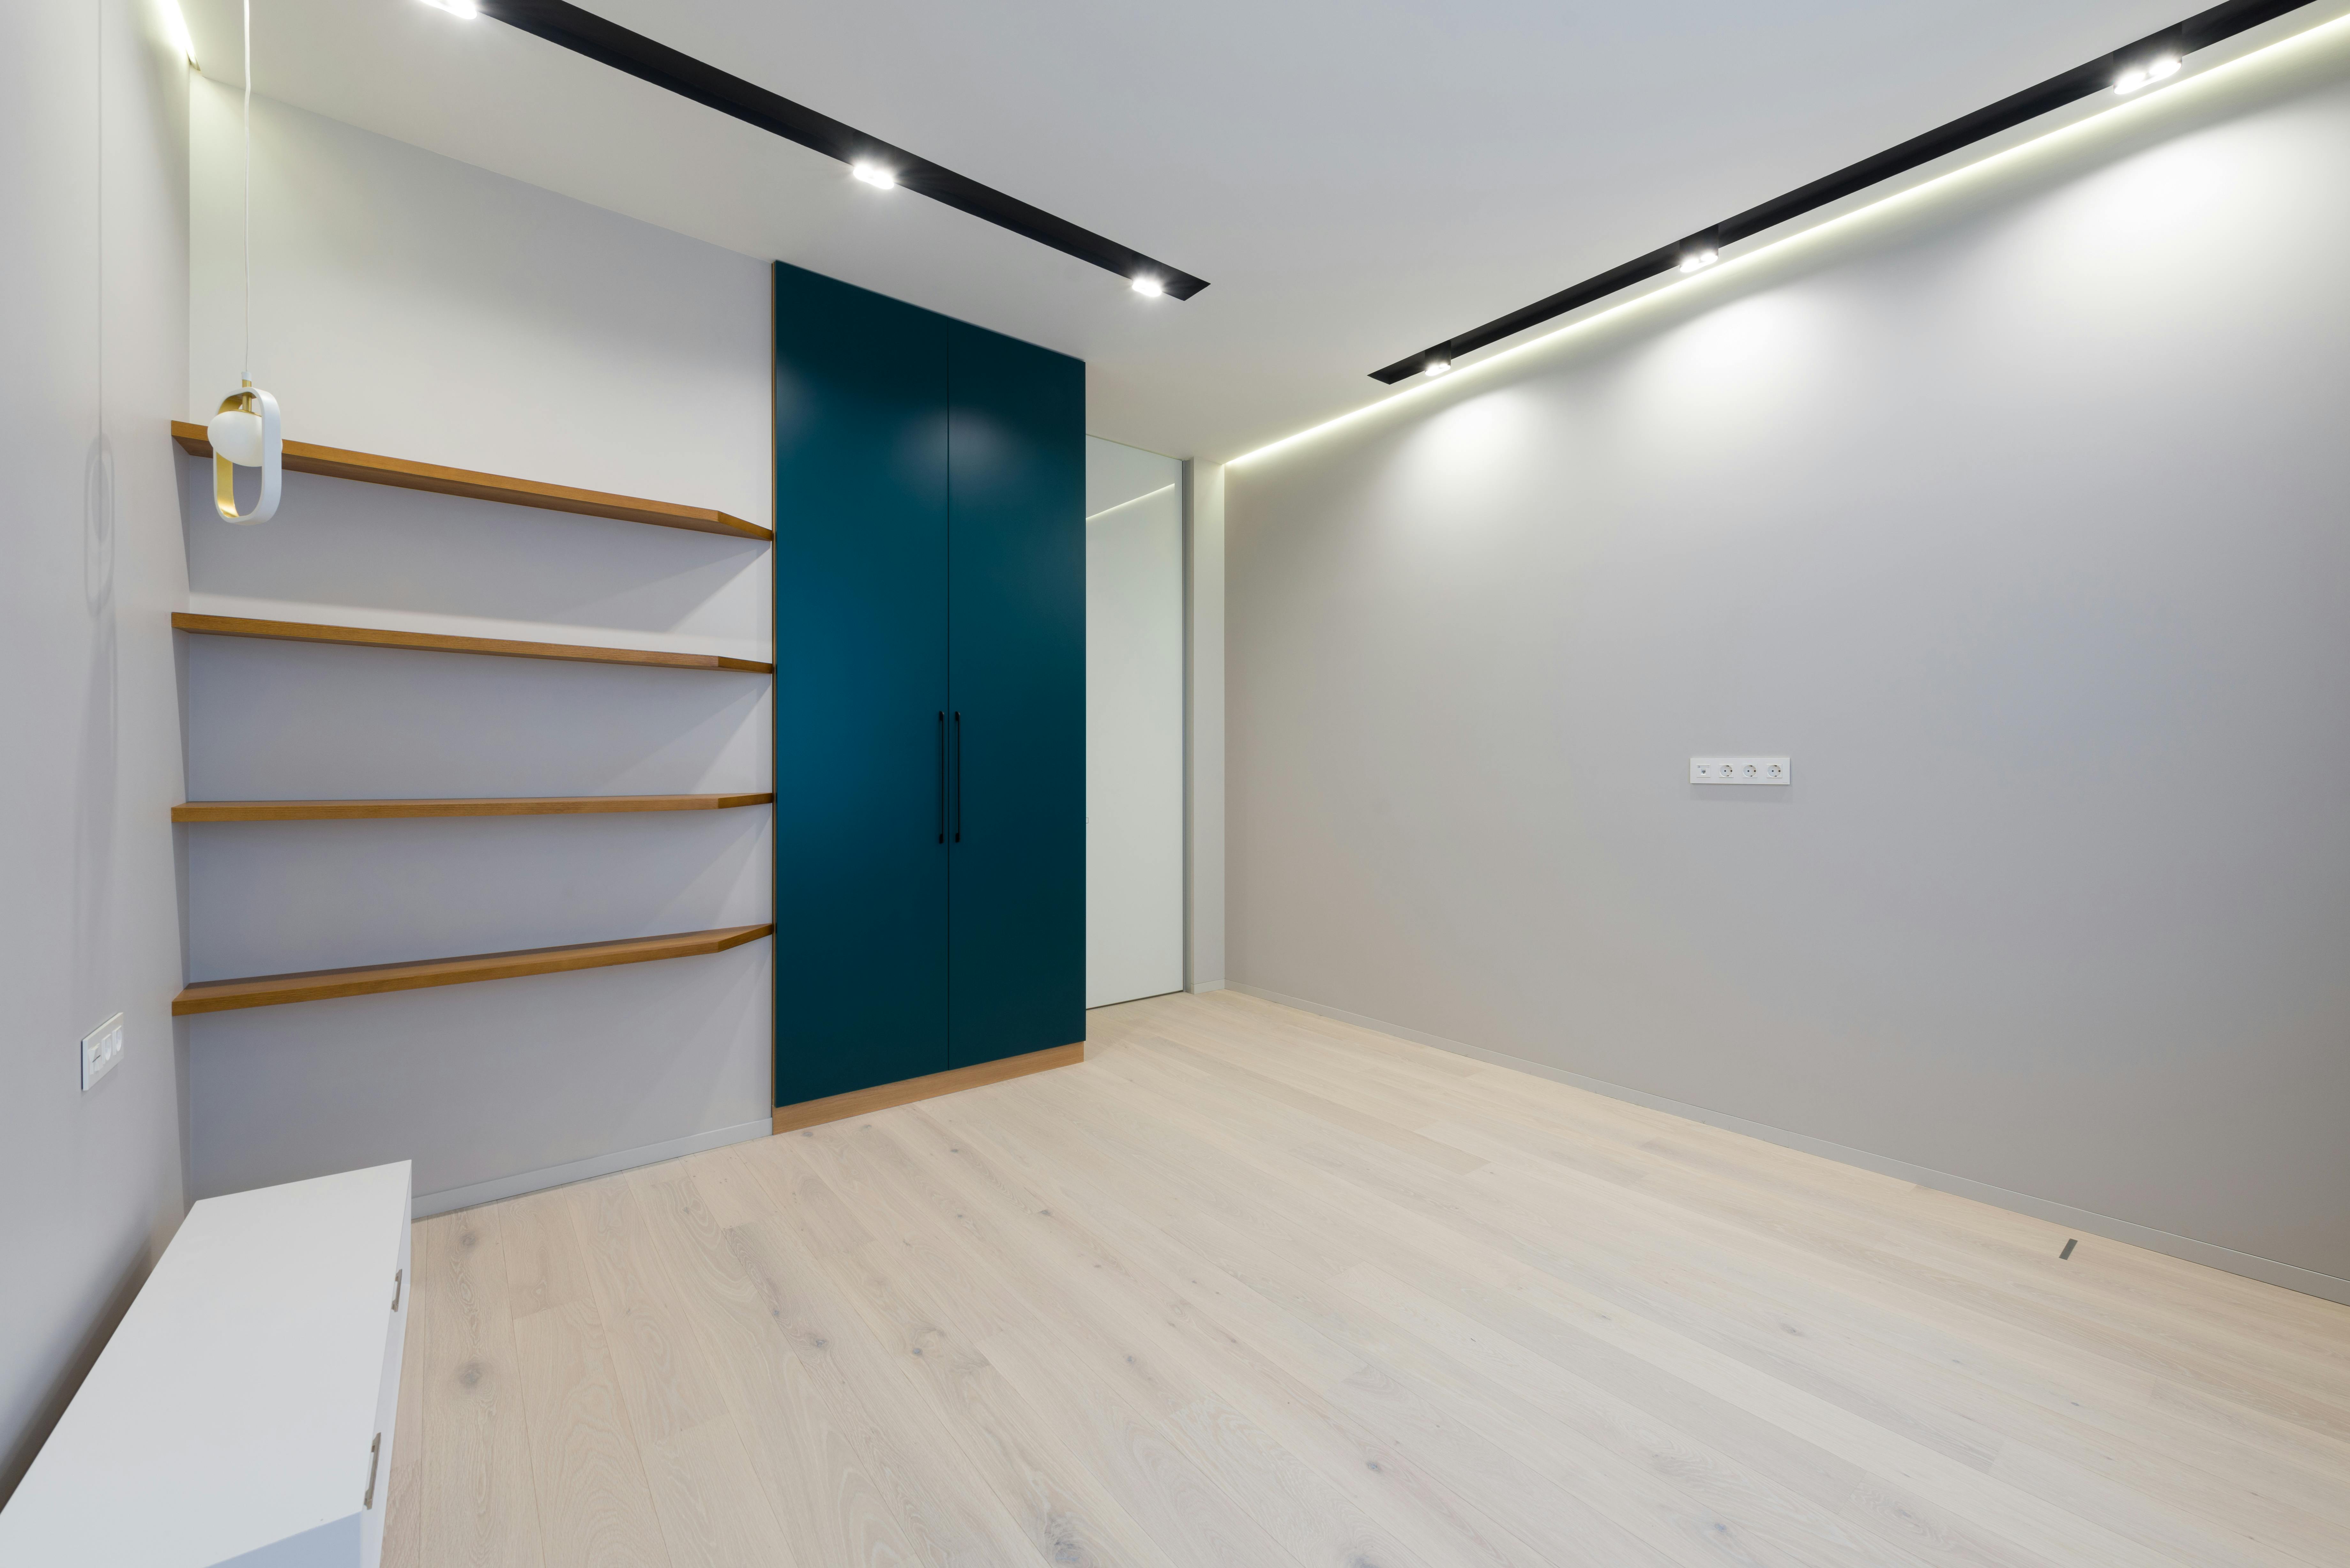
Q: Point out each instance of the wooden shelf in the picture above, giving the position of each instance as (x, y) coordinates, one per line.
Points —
(495, 805)
(371, 637)
(301, 457)
(318, 985)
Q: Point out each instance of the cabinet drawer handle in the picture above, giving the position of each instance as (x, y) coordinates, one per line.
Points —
(375, 1452)
(942, 778)
(396, 1274)
(958, 778)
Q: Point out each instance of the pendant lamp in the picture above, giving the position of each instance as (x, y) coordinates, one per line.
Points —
(245, 435)
(245, 432)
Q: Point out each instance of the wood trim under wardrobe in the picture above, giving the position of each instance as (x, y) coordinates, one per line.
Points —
(881, 1097)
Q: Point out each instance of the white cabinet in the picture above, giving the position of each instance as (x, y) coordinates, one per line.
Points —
(243, 1412)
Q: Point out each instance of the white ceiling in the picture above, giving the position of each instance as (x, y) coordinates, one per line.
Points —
(1356, 178)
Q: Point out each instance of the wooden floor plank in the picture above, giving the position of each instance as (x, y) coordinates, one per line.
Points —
(1250, 1285)
(1067, 1515)
(594, 1505)
(1578, 1435)
(478, 1498)
(1637, 1179)
(546, 1261)
(1187, 1318)
(695, 1447)
(812, 1475)
(1223, 1447)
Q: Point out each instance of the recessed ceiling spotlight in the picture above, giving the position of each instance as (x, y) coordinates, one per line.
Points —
(2154, 70)
(875, 175)
(1697, 259)
(1146, 285)
(1437, 366)
(465, 8)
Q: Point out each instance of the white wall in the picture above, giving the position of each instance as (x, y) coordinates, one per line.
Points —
(1203, 726)
(94, 284)
(410, 304)
(1133, 723)
(2015, 513)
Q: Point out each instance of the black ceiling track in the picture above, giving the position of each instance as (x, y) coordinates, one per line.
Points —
(585, 32)
(2199, 31)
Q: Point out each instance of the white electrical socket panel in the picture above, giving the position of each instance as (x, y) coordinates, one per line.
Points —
(1739, 769)
(101, 1048)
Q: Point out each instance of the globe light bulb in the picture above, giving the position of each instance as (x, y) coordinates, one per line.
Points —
(236, 436)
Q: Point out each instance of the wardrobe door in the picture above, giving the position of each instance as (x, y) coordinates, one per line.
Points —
(1016, 549)
(861, 687)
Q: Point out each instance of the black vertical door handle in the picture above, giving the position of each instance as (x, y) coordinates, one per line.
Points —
(942, 777)
(958, 778)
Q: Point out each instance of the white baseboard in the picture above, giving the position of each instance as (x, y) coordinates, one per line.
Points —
(1202, 988)
(515, 1185)
(2268, 1270)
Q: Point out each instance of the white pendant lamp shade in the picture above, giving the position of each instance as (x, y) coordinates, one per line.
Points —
(245, 435)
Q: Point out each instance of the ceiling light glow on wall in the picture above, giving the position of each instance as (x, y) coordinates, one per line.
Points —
(1135, 501)
(2323, 33)
(875, 175)
(176, 21)
(2154, 70)
(1148, 286)
(465, 8)
(2124, 70)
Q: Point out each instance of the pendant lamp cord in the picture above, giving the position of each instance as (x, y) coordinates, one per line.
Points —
(248, 192)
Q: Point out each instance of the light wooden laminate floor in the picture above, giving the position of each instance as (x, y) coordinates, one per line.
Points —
(1250, 1287)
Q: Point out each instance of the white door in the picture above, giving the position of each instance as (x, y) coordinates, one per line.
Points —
(1133, 723)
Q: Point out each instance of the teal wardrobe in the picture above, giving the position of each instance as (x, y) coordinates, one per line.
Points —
(929, 693)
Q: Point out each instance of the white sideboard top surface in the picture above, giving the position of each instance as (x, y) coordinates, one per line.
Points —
(234, 1408)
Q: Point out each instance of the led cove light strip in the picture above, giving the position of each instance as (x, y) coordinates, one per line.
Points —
(1802, 237)
(1135, 501)
(2124, 70)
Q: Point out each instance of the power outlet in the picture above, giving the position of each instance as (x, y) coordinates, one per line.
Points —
(101, 1048)
(1739, 770)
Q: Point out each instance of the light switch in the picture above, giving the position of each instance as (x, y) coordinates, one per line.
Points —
(101, 1048)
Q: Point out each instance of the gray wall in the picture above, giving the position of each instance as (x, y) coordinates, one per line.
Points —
(411, 304)
(1203, 726)
(2015, 513)
(94, 285)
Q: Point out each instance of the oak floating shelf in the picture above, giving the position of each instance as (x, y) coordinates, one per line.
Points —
(373, 980)
(435, 642)
(493, 806)
(301, 457)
